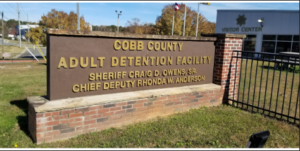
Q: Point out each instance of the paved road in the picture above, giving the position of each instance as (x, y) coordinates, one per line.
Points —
(16, 44)
(35, 52)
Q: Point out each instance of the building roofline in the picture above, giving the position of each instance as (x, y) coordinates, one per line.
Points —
(29, 25)
(257, 10)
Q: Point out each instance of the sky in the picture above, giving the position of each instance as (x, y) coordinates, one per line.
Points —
(103, 13)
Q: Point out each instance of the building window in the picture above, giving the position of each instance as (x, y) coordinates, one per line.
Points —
(280, 43)
(269, 37)
(296, 38)
(283, 47)
(284, 38)
(268, 46)
(295, 46)
(249, 44)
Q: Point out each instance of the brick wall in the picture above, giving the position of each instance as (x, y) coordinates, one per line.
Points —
(64, 124)
(32, 119)
(225, 71)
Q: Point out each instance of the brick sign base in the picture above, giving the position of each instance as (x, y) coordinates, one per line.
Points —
(57, 120)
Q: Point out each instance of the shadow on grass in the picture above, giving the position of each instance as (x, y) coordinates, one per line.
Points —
(273, 68)
(42, 64)
(268, 67)
(22, 120)
(282, 68)
(266, 113)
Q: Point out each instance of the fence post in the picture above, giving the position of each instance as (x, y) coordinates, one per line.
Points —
(227, 68)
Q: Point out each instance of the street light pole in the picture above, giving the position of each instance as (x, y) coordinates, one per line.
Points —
(28, 29)
(78, 18)
(118, 20)
(20, 34)
(2, 36)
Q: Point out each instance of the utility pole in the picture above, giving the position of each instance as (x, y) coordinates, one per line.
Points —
(118, 20)
(2, 36)
(78, 19)
(19, 25)
(28, 29)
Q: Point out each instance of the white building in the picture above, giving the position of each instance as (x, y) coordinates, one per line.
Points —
(24, 29)
(28, 26)
(267, 30)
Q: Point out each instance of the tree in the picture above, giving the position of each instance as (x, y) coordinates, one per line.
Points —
(62, 20)
(56, 19)
(164, 22)
(212, 27)
(134, 26)
(9, 27)
(111, 28)
(148, 28)
(36, 35)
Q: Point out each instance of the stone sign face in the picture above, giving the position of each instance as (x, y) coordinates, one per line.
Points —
(86, 65)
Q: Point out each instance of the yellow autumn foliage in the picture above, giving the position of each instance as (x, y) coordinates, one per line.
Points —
(164, 22)
(58, 20)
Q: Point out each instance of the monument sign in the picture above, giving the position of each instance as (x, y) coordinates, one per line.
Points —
(98, 80)
(84, 65)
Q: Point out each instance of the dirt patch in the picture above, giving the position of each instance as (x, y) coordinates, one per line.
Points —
(16, 128)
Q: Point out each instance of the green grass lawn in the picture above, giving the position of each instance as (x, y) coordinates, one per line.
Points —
(282, 98)
(16, 41)
(12, 49)
(220, 126)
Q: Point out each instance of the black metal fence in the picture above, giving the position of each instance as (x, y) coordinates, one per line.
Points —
(268, 84)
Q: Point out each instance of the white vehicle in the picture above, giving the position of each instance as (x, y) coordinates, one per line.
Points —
(23, 37)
